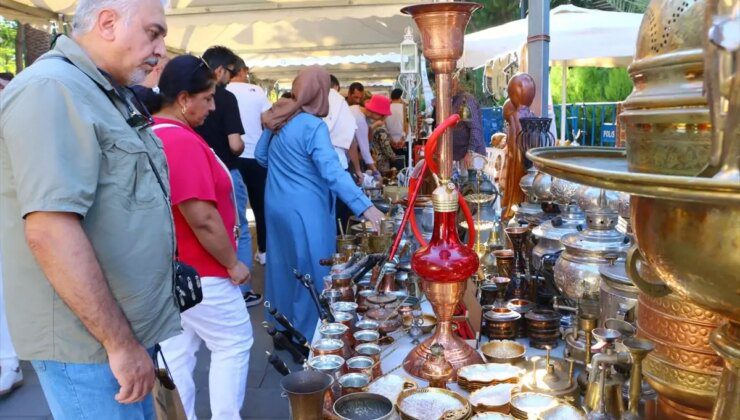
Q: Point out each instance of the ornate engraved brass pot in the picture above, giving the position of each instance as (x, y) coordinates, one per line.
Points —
(577, 270)
(666, 117)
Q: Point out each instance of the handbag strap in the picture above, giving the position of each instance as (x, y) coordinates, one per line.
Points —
(156, 127)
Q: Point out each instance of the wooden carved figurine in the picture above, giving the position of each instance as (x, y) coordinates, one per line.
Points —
(521, 91)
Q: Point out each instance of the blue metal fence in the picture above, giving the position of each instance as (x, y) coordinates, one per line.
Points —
(595, 120)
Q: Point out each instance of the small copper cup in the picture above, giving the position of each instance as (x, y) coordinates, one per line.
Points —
(366, 336)
(346, 319)
(372, 351)
(349, 250)
(328, 346)
(353, 382)
(361, 364)
(367, 324)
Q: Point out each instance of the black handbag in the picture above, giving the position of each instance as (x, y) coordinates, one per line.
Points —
(187, 288)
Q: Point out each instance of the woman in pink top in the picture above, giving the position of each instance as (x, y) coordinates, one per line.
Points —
(205, 218)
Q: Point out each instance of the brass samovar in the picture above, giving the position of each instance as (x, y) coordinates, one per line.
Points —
(685, 208)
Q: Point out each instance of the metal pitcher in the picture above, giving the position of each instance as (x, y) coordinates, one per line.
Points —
(305, 391)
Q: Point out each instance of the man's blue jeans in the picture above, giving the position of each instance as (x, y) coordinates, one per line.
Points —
(244, 241)
(86, 391)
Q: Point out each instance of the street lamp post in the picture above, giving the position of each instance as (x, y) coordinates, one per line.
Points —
(410, 81)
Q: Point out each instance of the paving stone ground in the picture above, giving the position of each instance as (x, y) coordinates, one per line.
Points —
(262, 401)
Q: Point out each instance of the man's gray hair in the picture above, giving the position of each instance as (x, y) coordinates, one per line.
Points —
(87, 12)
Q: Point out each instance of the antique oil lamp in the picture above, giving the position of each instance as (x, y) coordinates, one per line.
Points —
(444, 264)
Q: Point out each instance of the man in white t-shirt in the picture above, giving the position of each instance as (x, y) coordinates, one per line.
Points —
(252, 101)
(341, 123)
(342, 127)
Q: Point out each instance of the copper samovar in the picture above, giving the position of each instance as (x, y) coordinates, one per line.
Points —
(444, 263)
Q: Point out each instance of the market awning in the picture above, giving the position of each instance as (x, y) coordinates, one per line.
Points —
(273, 36)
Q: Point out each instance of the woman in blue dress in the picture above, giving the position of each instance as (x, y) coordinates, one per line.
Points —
(303, 177)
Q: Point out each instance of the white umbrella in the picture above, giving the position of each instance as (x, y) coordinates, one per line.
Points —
(578, 35)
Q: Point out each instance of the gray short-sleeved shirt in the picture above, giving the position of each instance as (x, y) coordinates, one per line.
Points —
(65, 147)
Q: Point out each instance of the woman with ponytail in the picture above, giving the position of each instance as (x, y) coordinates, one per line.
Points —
(205, 217)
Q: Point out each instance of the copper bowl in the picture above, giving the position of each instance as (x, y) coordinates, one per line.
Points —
(363, 405)
(328, 364)
(361, 364)
(503, 351)
(353, 382)
(388, 319)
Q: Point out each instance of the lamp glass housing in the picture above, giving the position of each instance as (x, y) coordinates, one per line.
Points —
(409, 54)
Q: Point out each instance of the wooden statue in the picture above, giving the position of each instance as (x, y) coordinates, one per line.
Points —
(521, 91)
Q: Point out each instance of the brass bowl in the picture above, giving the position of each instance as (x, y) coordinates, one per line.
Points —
(503, 351)
(463, 413)
(668, 233)
(430, 321)
(363, 405)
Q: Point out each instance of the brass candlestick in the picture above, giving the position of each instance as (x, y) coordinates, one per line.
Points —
(639, 349)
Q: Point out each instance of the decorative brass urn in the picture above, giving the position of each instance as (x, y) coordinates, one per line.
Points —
(666, 118)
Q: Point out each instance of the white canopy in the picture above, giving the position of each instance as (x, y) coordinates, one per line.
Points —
(360, 38)
(581, 36)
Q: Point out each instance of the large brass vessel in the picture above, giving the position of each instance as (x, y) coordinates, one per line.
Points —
(666, 118)
(683, 368)
(687, 228)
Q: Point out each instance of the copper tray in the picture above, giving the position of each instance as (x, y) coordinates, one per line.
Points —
(606, 167)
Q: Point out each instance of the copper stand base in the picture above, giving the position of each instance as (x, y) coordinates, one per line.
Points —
(444, 297)
(670, 409)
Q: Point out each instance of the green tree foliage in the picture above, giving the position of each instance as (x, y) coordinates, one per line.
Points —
(591, 84)
(498, 12)
(8, 31)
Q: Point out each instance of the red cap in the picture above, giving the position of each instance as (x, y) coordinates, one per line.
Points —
(379, 104)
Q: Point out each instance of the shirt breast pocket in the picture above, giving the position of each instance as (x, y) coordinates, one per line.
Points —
(131, 175)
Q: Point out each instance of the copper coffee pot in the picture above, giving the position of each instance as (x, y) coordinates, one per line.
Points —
(437, 368)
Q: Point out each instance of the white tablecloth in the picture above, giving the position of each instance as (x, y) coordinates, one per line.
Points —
(392, 355)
